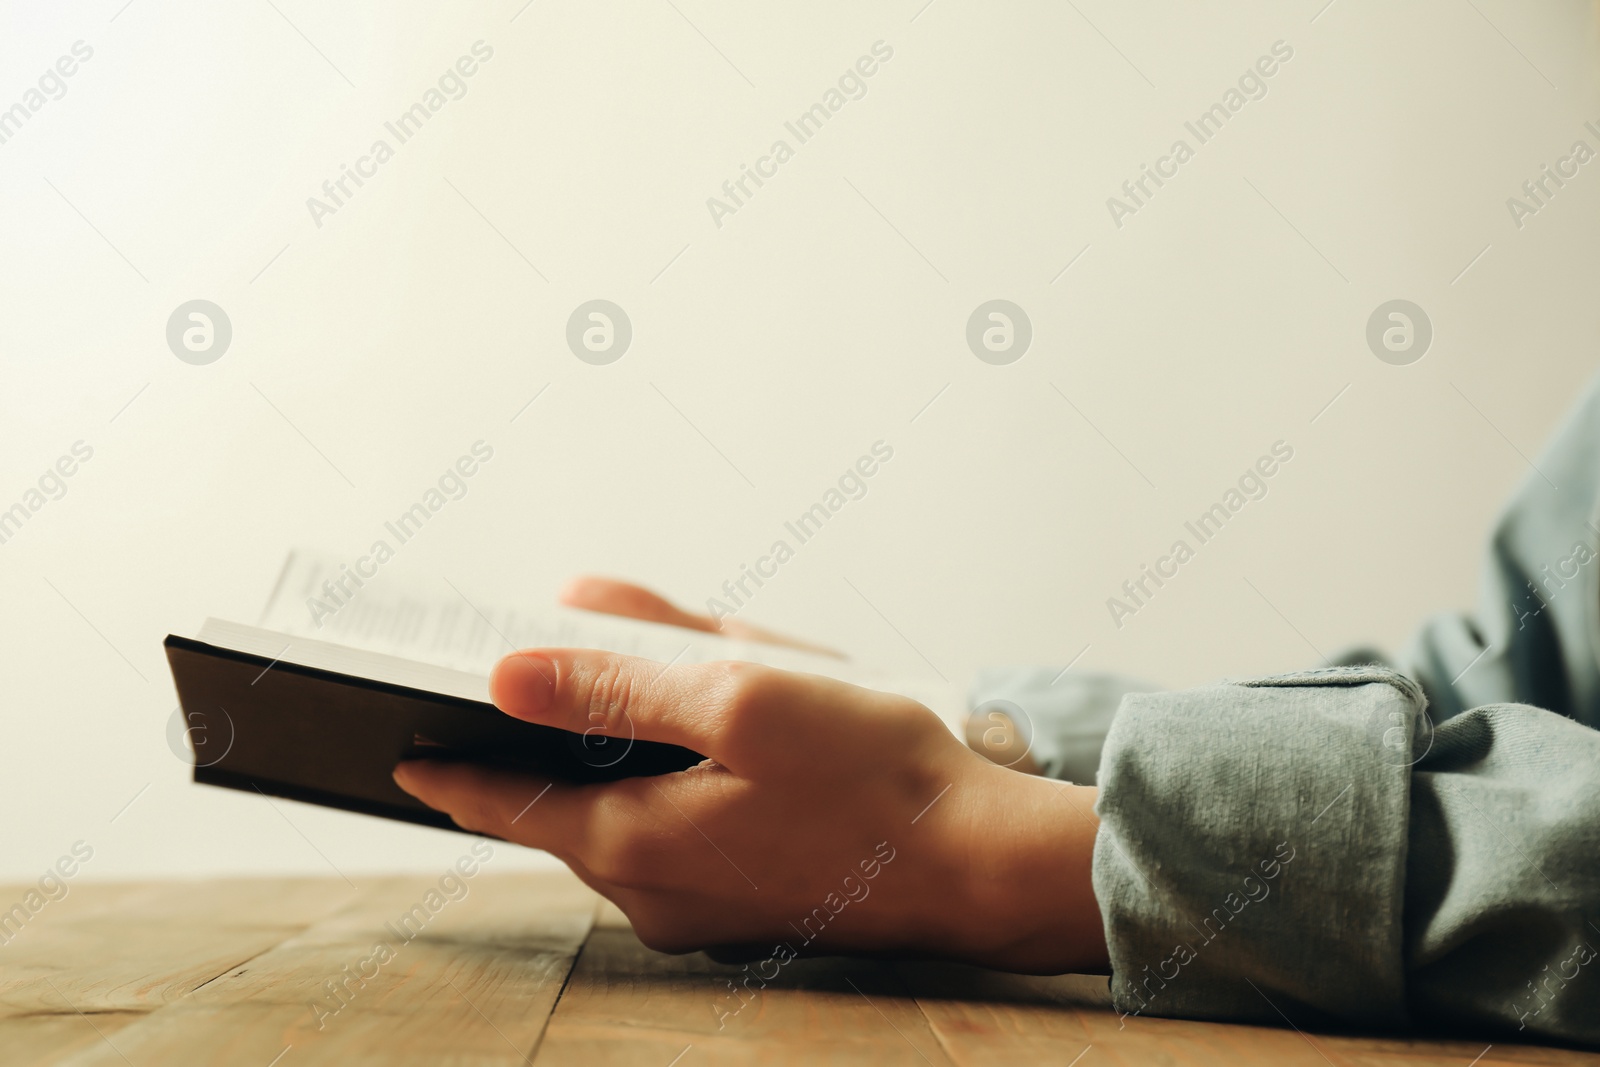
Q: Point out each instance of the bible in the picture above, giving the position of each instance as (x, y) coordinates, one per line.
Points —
(320, 706)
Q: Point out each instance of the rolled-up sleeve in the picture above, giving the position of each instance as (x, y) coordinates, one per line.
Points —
(1306, 848)
(1061, 715)
(1352, 846)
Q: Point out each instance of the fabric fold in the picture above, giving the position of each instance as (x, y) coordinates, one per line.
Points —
(1251, 858)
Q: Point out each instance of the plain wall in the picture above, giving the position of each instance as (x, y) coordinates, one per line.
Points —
(769, 351)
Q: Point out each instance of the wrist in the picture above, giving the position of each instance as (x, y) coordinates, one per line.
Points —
(1029, 886)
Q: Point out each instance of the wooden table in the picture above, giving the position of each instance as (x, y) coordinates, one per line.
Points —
(535, 968)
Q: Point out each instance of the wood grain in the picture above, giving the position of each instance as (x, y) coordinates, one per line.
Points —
(533, 968)
(473, 984)
(93, 963)
(628, 1005)
(982, 1017)
(54, 1036)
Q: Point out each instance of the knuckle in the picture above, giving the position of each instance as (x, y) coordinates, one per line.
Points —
(743, 689)
(606, 694)
(611, 862)
(737, 705)
(730, 696)
(618, 855)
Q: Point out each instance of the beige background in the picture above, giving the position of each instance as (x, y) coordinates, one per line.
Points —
(821, 317)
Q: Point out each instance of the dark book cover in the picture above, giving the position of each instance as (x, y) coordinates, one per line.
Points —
(323, 737)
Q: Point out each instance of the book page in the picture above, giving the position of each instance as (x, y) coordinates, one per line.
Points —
(278, 647)
(436, 624)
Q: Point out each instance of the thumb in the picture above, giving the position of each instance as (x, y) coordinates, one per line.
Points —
(590, 692)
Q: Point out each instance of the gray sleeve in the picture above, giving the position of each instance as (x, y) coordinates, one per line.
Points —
(1534, 639)
(1306, 849)
(1350, 846)
(1062, 715)
(1535, 636)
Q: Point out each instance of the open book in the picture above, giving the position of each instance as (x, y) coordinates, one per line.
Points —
(338, 683)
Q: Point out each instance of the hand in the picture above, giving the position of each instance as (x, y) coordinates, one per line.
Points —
(827, 818)
(611, 597)
(991, 734)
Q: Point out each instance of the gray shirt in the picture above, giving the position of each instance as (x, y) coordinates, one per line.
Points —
(1371, 844)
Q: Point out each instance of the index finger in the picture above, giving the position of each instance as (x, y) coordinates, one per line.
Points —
(496, 802)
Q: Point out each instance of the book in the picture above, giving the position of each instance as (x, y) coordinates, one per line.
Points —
(337, 683)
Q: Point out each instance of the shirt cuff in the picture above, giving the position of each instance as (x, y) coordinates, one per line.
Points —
(1251, 855)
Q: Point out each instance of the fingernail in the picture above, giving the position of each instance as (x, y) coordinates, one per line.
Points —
(402, 777)
(523, 684)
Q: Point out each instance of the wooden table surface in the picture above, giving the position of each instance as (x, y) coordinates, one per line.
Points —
(535, 968)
